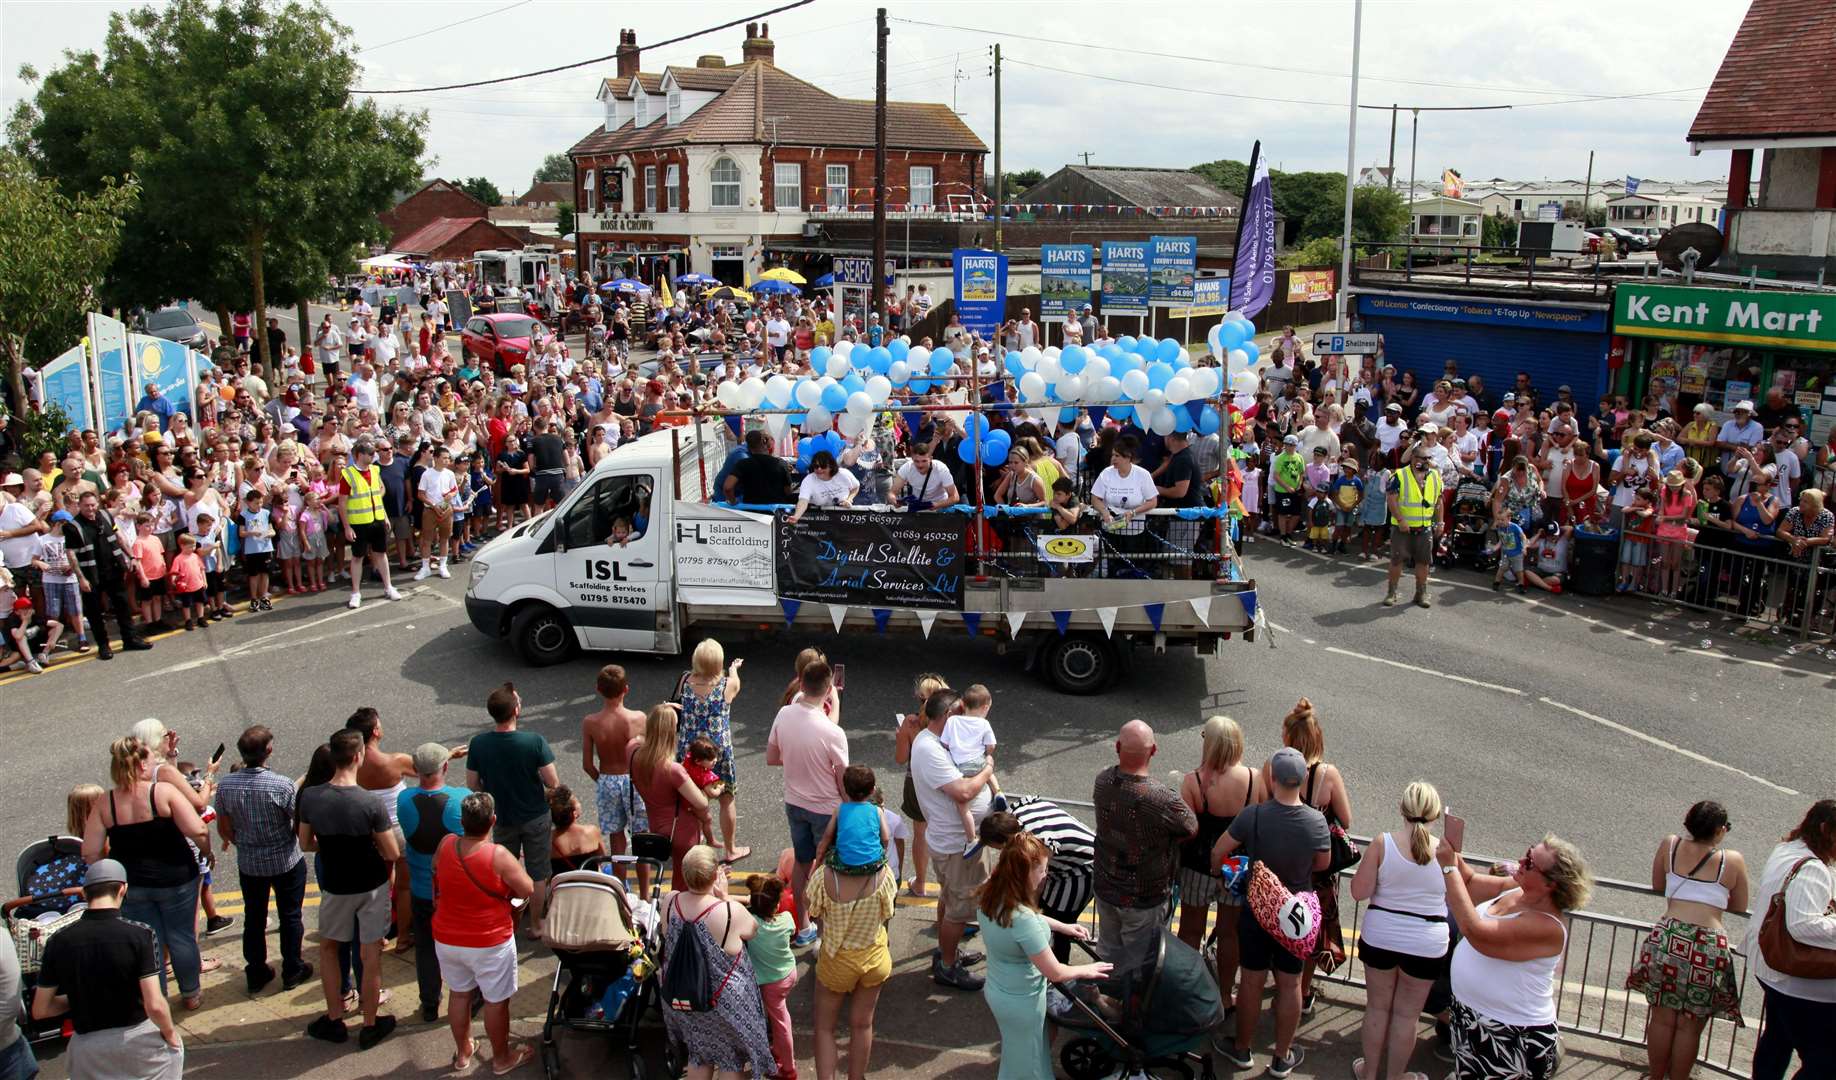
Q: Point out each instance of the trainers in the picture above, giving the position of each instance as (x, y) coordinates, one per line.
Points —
(430, 1013)
(371, 1034)
(34, 666)
(964, 958)
(216, 924)
(288, 982)
(443, 571)
(1281, 1066)
(1307, 1005)
(392, 593)
(423, 573)
(958, 977)
(1389, 599)
(809, 936)
(356, 601)
(1226, 1050)
(1422, 601)
(329, 1030)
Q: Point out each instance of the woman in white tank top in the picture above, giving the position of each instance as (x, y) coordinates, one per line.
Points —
(1514, 933)
(1685, 967)
(1403, 939)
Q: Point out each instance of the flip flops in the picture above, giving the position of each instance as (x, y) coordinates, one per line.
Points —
(522, 1055)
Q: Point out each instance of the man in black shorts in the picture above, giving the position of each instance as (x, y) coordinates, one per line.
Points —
(548, 459)
(366, 523)
(1290, 838)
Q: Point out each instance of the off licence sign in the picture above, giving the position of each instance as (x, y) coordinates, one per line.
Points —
(1346, 344)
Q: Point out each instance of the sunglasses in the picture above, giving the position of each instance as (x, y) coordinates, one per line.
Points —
(1529, 861)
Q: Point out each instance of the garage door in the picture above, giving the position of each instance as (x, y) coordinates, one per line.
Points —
(1553, 358)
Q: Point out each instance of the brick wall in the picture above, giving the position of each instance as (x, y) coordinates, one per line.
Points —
(424, 206)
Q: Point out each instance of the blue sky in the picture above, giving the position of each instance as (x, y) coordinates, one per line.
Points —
(1100, 81)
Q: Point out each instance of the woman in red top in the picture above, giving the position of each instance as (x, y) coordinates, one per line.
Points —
(474, 931)
(675, 805)
(1581, 489)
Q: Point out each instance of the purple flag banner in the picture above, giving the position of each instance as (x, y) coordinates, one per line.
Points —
(1252, 274)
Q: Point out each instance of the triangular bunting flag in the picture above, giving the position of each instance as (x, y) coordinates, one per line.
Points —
(790, 610)
(925, 619)
(1155, 612)
(838, 614)
(1201, 606)
(1014, 620)
(1061, 619)
(972, 621)
(1107, 615)
(881, 616)
(1249, 605)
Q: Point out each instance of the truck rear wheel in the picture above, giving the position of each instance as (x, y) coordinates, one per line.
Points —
(542, 635)
(1081, 663)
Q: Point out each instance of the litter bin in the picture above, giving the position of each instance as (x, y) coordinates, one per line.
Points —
(1593, 563)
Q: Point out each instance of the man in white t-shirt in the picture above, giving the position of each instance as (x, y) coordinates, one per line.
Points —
(777, 334)
(329, 344)
(384, 348)
(1391, 428)
(1740, 431)
(1026, 329)
(1069, 448)
(941, 788)
(438, 488)
(365, 393)
(923, 483)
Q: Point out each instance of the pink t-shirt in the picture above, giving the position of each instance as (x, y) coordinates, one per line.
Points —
(814, 751)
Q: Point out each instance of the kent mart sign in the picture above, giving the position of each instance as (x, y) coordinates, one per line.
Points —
(1793, 320)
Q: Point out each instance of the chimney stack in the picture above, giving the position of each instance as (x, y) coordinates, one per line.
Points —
(758, 44)
(627, 54)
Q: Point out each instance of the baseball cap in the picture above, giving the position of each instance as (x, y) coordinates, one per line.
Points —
(1428, 428)
(1291, 440)
(1392, 407)
(428, 757)
(1319, 451)
(1288, 767)
(1563, 389)
(105, 872)
(1509, 396)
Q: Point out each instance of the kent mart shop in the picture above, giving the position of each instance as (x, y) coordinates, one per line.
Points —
(1727, 345)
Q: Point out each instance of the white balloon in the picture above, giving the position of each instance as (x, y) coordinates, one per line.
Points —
(1162, 422)
(899, 372)
(1211, 340)
(838, 366)
(1183, 359)
(1134, 383)
(1051, 351)
(818, 420)
(1030, 357)
(1032, 386)
(1072, 388)
(778, 391)
(1107, 388)
(879, 388)
(1238, 360)
(1049, 369)
(1179, 391)
(808, 393)
(852, 425)
(1095, 368)
(916, 358)
(752, 391)
(1203, 381)
(859, 404)
(842, 348)
(1244, 382)
(1152, 401)
(728, 393)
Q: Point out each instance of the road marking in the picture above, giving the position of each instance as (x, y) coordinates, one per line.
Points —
(1665, 745)
(271, 642)
(1426, 671)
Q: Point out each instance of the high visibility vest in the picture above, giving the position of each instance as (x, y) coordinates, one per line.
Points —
(366, 495)
(1416, 501)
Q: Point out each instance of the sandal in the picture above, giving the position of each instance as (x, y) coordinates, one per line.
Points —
(737, 855)
(519, 1057)
(463, 1061)
(209, 964)
(917, 890)
(193, 1002)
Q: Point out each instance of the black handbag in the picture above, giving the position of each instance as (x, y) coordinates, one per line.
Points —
(1345, 852)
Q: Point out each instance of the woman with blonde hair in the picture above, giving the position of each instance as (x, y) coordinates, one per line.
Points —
(1403, 940)
(143, 824)
(1513, 934)
(706, 692)
(1324, 791)
(675, 806)
(922, 689)
(1217, 791)
(730, 1038)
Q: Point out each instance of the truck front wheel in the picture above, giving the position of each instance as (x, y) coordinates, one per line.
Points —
(1081, 663)
(542, 635)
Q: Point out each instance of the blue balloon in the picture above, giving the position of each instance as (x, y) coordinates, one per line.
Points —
(1232, 335)
(1182, 419)
(897, 349)
(819, 357)
(1252, 348)
(1167, 350)
(1159, 375)
(966, 451)
(879, 361)
(1074, 358)
(918, 386)
(853, 383)
(1126, 342)
(833, 442)
(1208, 422)
(1112, 352)
(975, 426)
(1000, 438)
(941, 361)
(1068, 414)
(1121, 413)
(1122, 363)
(1016, 365)
(834, 398)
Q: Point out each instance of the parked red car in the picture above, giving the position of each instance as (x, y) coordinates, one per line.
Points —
(499, 341)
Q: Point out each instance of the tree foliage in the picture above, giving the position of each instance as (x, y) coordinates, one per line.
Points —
(55, 246)
(1593, 216)
(564, 217)
(1498, 229)
(555, 169)
(1319, 251)
(1017, 182)
(260, 174)
(483, 190)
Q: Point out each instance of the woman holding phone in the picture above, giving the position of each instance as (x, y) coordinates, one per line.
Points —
(1403, 939)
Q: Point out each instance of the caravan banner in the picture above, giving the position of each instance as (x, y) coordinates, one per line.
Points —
(66, 383)
(115, 388)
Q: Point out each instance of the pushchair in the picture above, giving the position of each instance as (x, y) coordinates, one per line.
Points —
(1470, 527)
(1164, 1012)
(607, 947)
(49, 878)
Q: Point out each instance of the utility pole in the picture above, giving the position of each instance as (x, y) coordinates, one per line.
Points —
(1415, 127)
(1086, 155)
(1351, 162)
(1000, 190)
(1392, 176)
(1587, 188)
(879, 170)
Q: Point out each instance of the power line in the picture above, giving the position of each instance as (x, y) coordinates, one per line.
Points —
(1584, 95)
(594, 60)
(437, 29)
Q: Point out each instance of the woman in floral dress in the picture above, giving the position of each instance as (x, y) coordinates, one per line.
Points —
(731, 1038)
(707, 694)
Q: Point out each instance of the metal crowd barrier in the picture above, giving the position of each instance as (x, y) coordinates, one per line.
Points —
(1591, 995)
(1763, 585)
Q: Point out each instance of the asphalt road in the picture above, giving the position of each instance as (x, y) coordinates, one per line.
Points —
(1599, 720)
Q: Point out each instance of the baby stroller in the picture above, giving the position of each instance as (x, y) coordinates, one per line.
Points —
(49, 875)
(1163, 1012)
(607, 947)
(1470, 526)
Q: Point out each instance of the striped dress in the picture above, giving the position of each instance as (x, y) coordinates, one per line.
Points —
(1071, 874)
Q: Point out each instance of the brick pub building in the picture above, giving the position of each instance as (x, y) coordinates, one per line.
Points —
(728, 170)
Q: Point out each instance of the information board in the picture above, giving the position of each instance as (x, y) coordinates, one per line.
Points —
(1125, 277)
(1064, 279)
(1173, 265)
(873, 559)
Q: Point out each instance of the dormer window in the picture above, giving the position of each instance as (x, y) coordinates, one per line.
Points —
(643, 109)
(675, 105)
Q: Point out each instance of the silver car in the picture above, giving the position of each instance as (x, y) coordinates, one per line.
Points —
(177, 324)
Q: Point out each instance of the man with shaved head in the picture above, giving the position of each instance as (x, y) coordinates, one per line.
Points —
(1140, 824)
